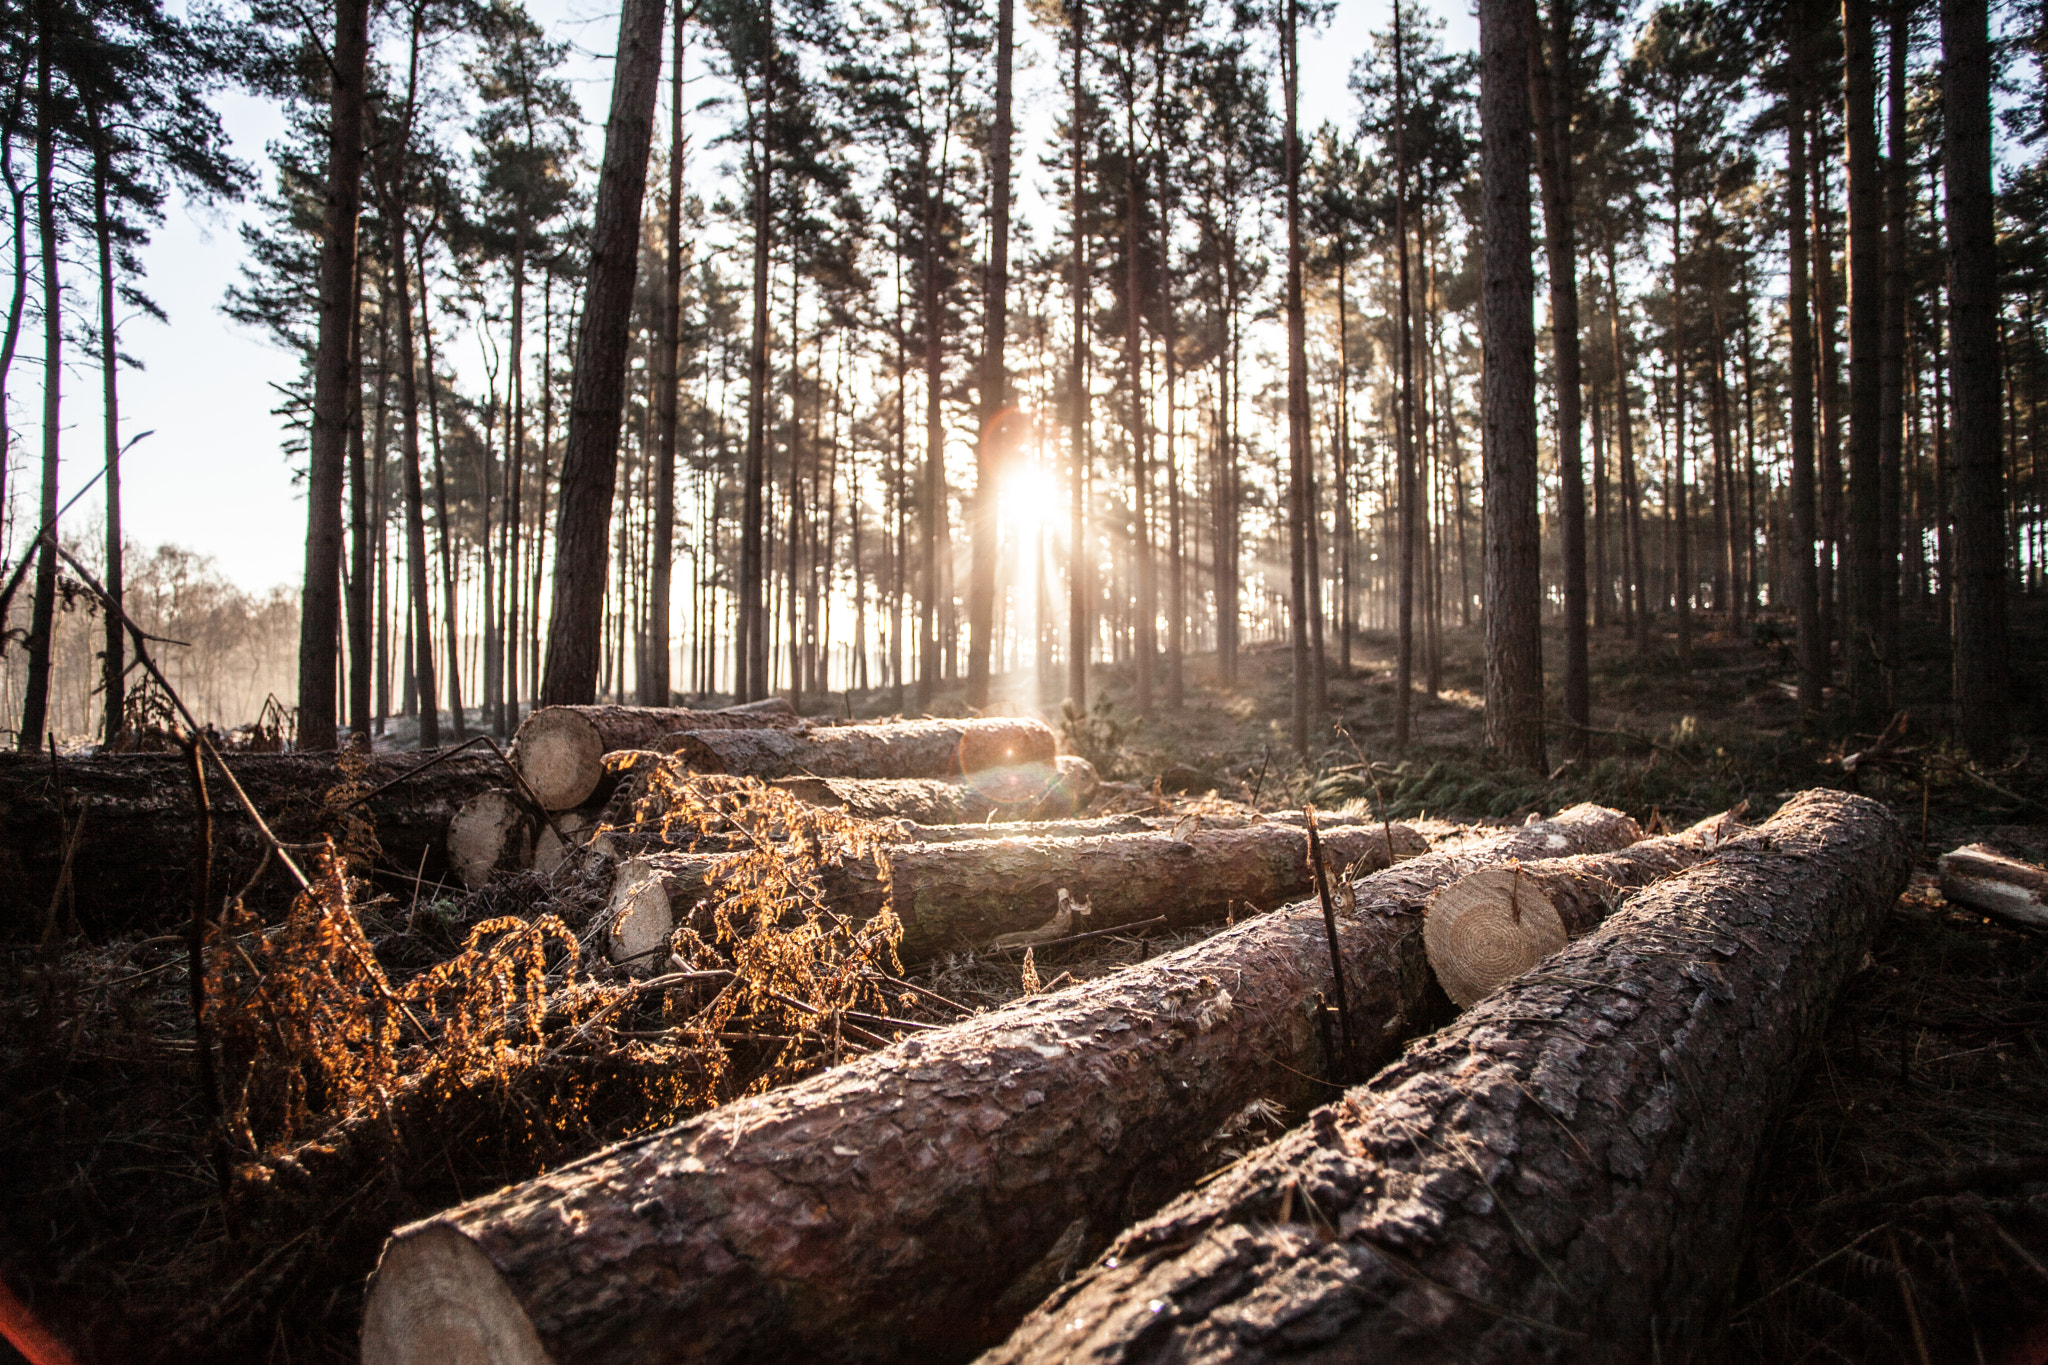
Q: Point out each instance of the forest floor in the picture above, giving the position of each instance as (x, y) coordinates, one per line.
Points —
(1899, 1213)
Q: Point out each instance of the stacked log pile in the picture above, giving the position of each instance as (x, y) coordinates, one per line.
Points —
(913, 1204)
(1563, 1174)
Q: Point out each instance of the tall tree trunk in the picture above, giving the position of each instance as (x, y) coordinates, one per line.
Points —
(43, 610)
(1077, 386)
(1346, 532)
(1636, 591)
(590, 459)
(1406, 493)
(1514, 641)
(1297, 386)
(1891, 432)
(1678, 505)
(1806, 599)
(420, 637)
(995, 436)
(1553, 91)
(17, 303)
(112, 686)
(443, 528)
(656, 668)
(334, 378)
(1144, 618)
(1827, 372)
(1866, 331)
(1982, 692)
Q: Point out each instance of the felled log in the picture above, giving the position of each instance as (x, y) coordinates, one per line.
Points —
(560, 750)
(132, 866)
(1982, 878)
(913, 1204)
(961, 897)
(490, 834)
(1565, 1174)
(1488, 928)
(999, 752)
(928, 800)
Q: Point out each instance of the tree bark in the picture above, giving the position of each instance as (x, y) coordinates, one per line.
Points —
(1407, 490)
(334, 379)
(1977, 613)
(1299, 509)
(1553, 95)
(590, 458)
(655, 668)
(132, 818)
(1898, 285)
(43, 601)
(1487, 929)
(926, 800)
(1564, 1174)
(910, 748)
(1078, 397)
(560, 749)
(1514, 640)
(912, 1205)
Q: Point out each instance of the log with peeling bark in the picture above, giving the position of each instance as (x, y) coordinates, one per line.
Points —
(1982, 878)
(1000, 754)
(1565, 1174)
(913, 1204)
(961, 897)
(132, 817)
(560, 750)
(1489, 928)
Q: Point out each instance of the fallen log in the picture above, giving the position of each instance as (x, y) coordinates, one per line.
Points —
(1489, 928)
(998, 752)
(131, 816)
(1982, 878)
(960, 897)
(913, 1204)
(560, 750)
(490, 834)
(1564, 1174)
(928, 800)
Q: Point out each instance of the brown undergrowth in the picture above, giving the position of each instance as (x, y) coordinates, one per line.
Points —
(377, 1061)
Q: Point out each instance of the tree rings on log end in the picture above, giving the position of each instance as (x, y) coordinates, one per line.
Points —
(561, 755)
(552, 849)
(488, 834)
(1487, 929)
(436, 1299)
(640, 915)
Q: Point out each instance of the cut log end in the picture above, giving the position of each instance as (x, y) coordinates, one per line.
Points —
(552, 849)
(1489, 928)
(490, 833)
(641, 917)
(437, 1300)
(561, 756)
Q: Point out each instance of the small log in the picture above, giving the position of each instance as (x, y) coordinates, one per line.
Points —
(489, 834)
(571, 830)
(913, 1204)
(560, 750)
(1565, 1174)
(1486, 929)
(960, 897)
(1000, 753)
(926, 800)
(133, 864)
(1979, 876)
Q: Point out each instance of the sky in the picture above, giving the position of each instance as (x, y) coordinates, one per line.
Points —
(212, 475)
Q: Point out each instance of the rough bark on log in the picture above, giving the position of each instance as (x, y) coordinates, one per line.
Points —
(912, 1205)
(960, 897)
(1562, 1175)
(1486, 929)
(133, 863)
(997, 752)
(928, 800)
(1982, 878)
(560, 750)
